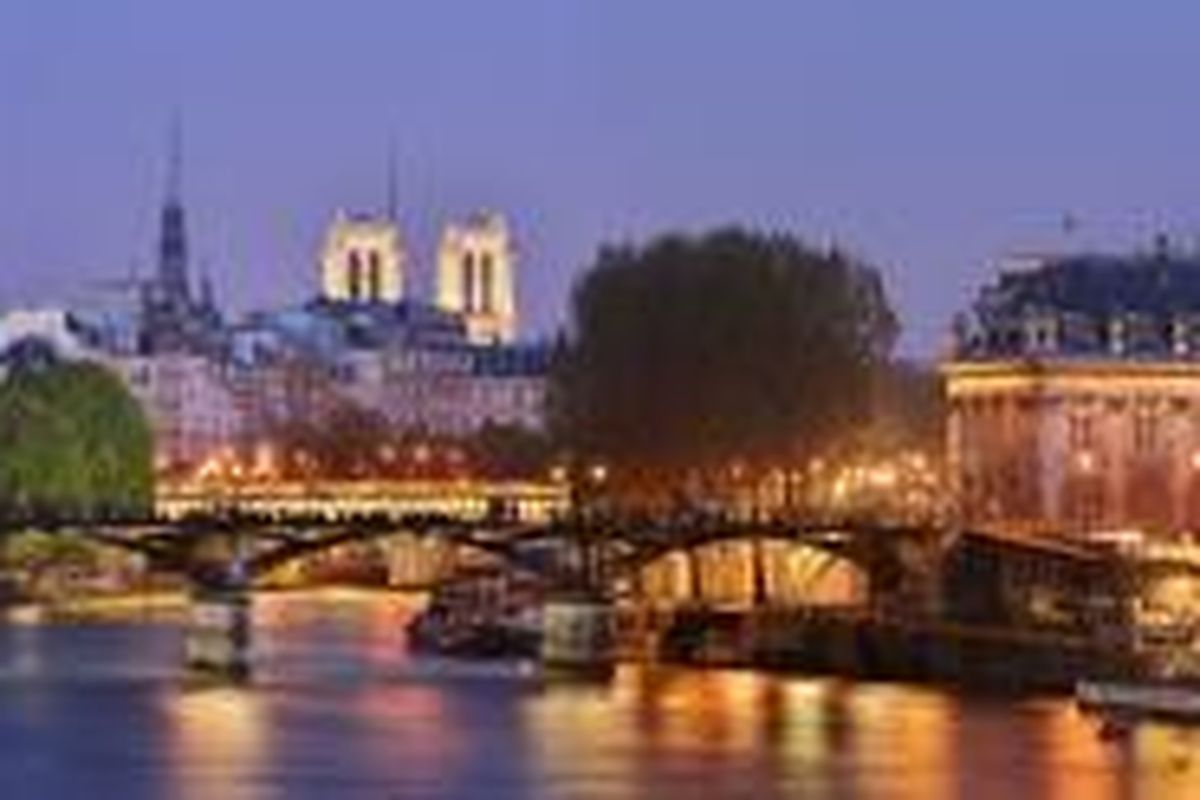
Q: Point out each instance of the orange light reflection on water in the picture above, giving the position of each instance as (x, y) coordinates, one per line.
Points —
(1082, 763)
(885, 741)
(807, 736)
(1167, 761)
(218, 738)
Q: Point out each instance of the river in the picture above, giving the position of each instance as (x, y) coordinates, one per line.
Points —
(338, 709)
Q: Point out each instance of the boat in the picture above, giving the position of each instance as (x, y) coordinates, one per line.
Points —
(1165, 686)
(482, 615)
(1177, 700)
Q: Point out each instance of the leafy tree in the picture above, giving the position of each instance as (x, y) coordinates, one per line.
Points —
(911, 405)
(73, 442)
(692, 353)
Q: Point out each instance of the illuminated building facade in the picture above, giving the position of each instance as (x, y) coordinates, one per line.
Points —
(363, 260)
(475, 278)
(189, 403)
(1074, 397)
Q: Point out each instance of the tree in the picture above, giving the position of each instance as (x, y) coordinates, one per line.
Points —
(73, 442)
(692, 353)
(911, 406)
(510, 452)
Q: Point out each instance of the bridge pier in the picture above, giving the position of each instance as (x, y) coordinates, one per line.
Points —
(217, 639)
(759, 593)
(578, 634)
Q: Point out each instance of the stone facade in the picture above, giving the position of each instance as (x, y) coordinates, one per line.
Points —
(1074, 398)
(363, 261)
(476, 278)
(1076, 447)
(188, 401)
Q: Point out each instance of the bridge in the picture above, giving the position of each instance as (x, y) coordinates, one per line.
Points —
(223, 542)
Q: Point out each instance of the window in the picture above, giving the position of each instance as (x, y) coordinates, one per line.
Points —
(468, 282)
(374, 277)
(354, 276)
(485, 282)
(1081, 432)
(1145, 432)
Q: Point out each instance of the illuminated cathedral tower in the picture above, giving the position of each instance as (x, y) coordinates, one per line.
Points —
(363, 260)
(475, 277)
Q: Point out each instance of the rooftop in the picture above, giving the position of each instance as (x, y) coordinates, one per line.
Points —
(1143, 305)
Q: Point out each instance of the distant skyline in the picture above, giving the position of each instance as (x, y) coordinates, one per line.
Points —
(930, 137)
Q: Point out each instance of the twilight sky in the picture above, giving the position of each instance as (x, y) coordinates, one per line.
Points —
(931, 137)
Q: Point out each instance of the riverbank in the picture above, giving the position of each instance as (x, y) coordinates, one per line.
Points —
(119, 607)
(991, 659)
(801, 642)
(162, 604)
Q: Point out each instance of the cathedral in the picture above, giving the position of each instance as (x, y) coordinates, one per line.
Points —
(364, 262)
(446, 366)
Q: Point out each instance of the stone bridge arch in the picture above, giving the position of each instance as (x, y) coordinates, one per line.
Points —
(202, 550)
(737, 563)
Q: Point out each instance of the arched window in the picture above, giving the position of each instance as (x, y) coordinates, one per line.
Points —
(468, 281)
(485, 283)
(374, 276)
(354, 275)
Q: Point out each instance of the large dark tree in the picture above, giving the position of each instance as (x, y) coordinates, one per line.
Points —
(506, 452)
(73, 442)
(697, 352)
(911, 406)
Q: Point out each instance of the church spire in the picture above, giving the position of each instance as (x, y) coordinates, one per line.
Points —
(391, 181)
(174, 192)
(172, 243)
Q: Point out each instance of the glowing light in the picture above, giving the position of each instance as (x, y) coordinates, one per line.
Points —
(883, 476)
(265, 466)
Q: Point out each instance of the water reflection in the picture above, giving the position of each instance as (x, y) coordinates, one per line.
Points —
(659, 729)
(219, 738)
(339, 708)
(1167, 762)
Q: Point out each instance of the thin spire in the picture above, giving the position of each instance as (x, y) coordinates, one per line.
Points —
(172, 243)
(391, 180)
(175, 160)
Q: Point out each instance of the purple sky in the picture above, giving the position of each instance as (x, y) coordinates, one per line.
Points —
(931, 137)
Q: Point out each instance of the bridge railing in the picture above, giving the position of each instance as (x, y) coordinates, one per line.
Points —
(523, 501)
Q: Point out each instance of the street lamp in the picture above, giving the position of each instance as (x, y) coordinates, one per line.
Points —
(598, 474)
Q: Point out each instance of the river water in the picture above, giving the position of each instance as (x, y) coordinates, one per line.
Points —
(338, 709)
